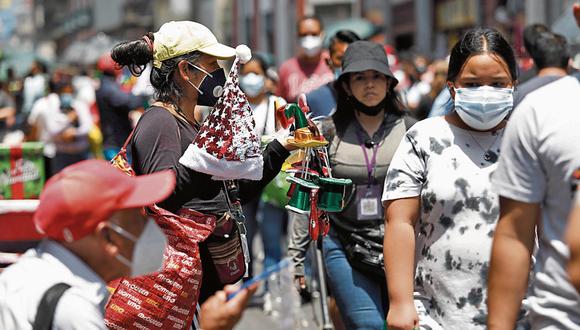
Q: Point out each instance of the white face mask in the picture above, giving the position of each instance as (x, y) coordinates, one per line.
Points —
(252, 84)
(311, 45)
(483, 108)
(148, 250)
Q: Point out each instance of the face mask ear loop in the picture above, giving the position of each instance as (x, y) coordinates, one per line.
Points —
(123, 232)
(200, 69)
(196, 88)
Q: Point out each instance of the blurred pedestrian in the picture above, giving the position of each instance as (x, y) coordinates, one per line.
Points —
(7, 111)
(551, 57)
(530, 36)
(95, 232)
(14, 87)
(322, 101)
(413, 87)
(34, 86)
(536, 178)
(308, 70)
(442, 103)
(185, 74)
(440, 210)
(114, 107)
(62, 124)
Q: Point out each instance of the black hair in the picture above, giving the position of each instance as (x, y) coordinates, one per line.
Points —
(345, 36)
(477, 41)
(531, 34)
(137, 54)
(551, 51)
(307, 17)
(261, 62)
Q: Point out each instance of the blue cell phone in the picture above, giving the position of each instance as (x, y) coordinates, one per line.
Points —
(284, 263)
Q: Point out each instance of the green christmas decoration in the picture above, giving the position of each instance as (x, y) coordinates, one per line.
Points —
(331, 194)
(300, 200)
(313, 190)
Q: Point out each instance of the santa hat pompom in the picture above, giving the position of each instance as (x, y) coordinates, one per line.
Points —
(243, 53)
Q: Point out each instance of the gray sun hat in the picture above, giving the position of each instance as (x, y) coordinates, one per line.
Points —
(366, 55)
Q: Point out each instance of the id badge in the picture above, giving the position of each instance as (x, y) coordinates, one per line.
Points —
(368, 200)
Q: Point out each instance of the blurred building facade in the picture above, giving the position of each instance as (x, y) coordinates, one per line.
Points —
(425, 26)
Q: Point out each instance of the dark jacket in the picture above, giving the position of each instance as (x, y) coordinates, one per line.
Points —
(114, 106)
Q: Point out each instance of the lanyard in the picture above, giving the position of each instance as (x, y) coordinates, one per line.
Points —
(372, 164)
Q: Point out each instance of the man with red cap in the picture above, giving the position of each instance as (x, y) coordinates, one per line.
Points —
(90, 213)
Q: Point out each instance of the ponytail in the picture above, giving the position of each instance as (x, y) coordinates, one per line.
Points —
(135, 55)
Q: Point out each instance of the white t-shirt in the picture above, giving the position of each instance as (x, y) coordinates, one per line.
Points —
(445, 166)
(51, 121)
(23, 284)
(265, 115)
(540, 152)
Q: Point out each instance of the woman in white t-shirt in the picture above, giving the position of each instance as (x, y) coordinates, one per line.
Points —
(440, 209)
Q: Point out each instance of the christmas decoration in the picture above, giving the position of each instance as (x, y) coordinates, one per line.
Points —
(313, 190)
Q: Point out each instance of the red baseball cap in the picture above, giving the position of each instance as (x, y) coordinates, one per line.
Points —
(106, 64)
(78, 198)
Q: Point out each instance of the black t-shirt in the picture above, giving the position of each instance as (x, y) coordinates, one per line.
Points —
(160, 139)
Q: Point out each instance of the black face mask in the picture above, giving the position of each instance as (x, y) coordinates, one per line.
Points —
(369, 111)
(211, 88)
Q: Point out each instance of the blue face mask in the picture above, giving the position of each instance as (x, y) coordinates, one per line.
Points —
(483, 108)
(252, 84)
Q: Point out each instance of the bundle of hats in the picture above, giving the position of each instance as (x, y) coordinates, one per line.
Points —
(227, 146)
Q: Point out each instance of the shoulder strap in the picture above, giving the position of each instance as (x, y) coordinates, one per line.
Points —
(47, 306)
(124, 148)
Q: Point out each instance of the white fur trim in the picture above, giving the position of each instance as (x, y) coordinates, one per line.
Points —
(221, 169)
(244, 53)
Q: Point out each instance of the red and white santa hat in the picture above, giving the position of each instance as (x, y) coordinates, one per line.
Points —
(227, 146)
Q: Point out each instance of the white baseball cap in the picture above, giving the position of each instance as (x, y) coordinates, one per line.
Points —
(177, 38)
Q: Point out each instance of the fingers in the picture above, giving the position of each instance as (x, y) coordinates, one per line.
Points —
(240, 300)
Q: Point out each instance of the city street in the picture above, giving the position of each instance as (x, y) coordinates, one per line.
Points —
(152, 152)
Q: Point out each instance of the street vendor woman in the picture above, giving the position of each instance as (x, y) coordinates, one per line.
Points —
(185, 74)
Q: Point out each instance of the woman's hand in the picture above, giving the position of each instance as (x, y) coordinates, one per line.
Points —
(402, 317)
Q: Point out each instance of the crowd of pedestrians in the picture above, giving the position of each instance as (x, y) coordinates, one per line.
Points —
(464, 171)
